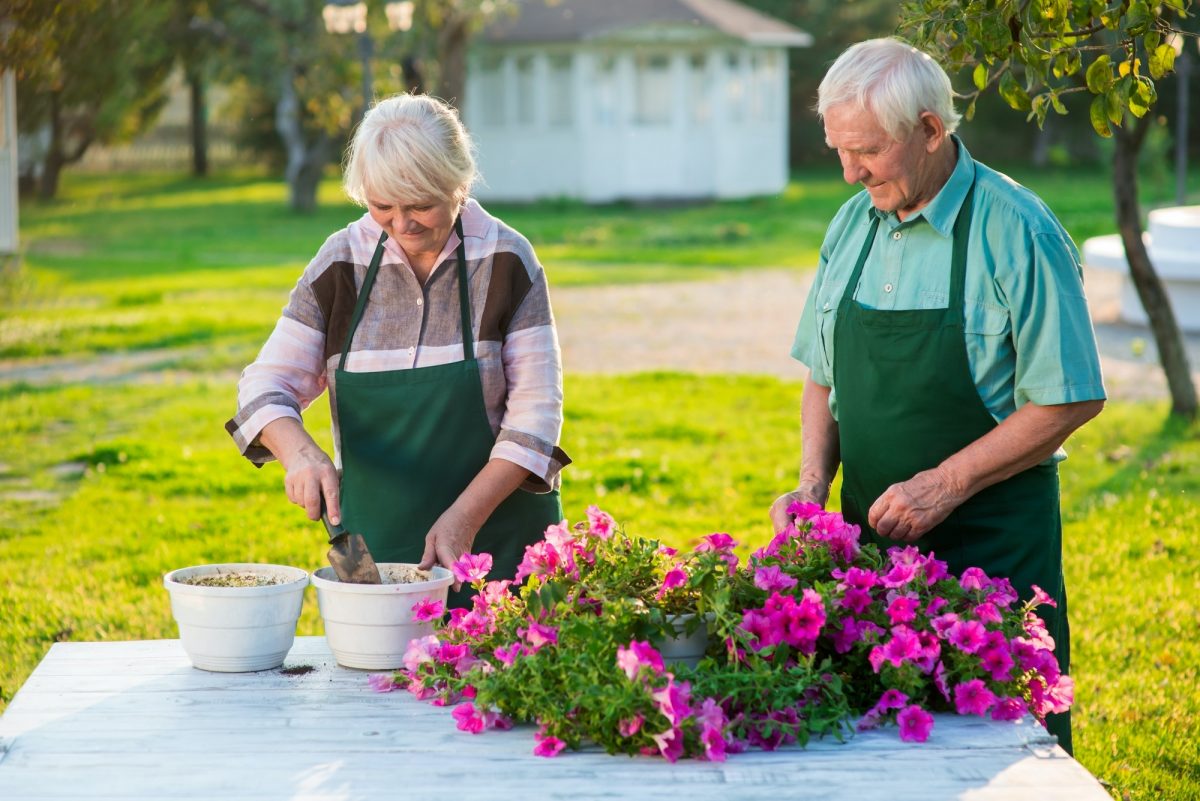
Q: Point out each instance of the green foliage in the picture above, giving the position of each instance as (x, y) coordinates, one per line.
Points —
(1033, 51)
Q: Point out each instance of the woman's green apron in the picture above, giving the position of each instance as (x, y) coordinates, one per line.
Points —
(411, 442)
(906, 401)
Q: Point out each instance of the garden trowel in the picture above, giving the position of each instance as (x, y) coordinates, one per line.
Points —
(348, 554)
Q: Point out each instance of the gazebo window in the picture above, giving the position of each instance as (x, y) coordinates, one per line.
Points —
(699, 95)
(560, 97)
(653, 89)
(492, 95)
(605, 91)
(526, 90)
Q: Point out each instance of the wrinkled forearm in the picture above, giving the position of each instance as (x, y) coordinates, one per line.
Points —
(821, 452)
(1025, 438)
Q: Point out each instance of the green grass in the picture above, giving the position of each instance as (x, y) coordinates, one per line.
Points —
(104, 487)
(152, 483)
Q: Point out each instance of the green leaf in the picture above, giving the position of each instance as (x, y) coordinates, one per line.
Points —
(1162, 61)
(1152, 40)
(980, 76)
(1013, 94)
(1099, 75)
(1115, 106)
(1138, 17)
(1055, 101)
(969, 114)
(1099, 117)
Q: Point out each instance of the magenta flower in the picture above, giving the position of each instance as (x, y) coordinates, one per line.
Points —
(547, 746)
(427, 609)
(935, 606)
(805, 510)
(468, 718)
(508, 654)
(382, 682)
(803, 621)
(714, 744)
(674, 578)
(672, 700)
(939, 680)
(472, 567)
(600, 524)
(1012, 708)
(559, 535)
(537, 636)
(903, 608)
(988, 613)
(967, 635)
(670, 743)
(935, 570)
(943, 623)
(891, 699)
(859, 578)
(974, 578)
(903, 646)
(973, 698)
(997, 662)
(915, 724)
(716, 542)
(1041, 597)
(630, 726)
(540, 560)
(900, 575)
(855, 600)
(639, 654)
(421, 650)
(763, 629)
(773, 579)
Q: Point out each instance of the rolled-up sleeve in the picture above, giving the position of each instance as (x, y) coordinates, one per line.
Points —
(287, 376)
(533, 416)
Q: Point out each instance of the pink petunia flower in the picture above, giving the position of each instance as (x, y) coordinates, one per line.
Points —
(670, 743)
(537, 636)
(915, 724)
(988, 613)
(716, 542)
(804, 510)
(600, 524)
(638, 655)
(973, 578)
(547, 746)
(672, 700)
(541, 559)
(902, 608)
(891, 699)
(508, 654)
(382, 682)
(973, 698)
(1010, 708)
(903, 646)
(421, 650)
(900, 575)
(630, 726)
(773, 579)
(468, 718)
(674, 578)
(427, 609)
(1041, 597)
(967, 635)
(472, 567)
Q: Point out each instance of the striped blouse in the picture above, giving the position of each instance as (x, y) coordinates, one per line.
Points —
(406, 325)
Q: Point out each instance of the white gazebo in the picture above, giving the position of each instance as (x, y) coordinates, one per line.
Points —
(631, 99)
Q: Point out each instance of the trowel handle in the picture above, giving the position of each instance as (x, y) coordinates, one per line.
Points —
(335, 531)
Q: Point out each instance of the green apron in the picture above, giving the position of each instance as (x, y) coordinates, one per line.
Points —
(906, 401)
(411, 442)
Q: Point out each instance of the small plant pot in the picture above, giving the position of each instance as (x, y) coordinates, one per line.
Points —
(369, 626)
(237, 629)
(683, 648)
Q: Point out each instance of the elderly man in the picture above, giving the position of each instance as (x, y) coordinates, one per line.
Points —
(947, 337)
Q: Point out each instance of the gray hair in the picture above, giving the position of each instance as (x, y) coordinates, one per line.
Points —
(892, 80)
(410, 148)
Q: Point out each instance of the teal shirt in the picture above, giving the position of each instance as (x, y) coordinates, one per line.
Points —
(1029, 337)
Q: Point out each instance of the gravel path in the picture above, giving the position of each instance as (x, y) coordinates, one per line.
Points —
(738, 324)
(745, 323)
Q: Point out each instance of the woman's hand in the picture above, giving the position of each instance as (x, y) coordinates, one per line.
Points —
(310, 473)
(450, 538)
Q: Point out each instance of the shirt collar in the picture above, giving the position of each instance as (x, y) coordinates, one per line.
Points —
(942, 211)
(476, 225)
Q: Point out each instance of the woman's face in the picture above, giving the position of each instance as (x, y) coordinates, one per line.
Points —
(421, 228)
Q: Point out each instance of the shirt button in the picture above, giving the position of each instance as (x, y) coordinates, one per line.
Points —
(420, 301)
(897, 235)
(887, 287)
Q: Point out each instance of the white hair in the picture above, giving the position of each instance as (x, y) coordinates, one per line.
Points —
(410, 148)
(892, 80)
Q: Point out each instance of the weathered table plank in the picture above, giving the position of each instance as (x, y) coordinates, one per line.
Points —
(134, 720)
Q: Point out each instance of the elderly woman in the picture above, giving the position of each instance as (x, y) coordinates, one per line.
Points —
(429, 322)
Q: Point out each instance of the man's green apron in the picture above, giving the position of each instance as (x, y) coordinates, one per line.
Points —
(906, 401)
(411, 442)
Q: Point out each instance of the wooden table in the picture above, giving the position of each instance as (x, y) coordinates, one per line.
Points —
(134, 720)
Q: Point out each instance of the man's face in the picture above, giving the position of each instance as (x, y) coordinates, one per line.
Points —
(898, 175)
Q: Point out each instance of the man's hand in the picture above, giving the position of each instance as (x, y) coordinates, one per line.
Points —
(906, 511)
(805, 493)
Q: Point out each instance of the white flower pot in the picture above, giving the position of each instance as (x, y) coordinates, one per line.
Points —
(684, 648)
(237, 629)
(369, 626)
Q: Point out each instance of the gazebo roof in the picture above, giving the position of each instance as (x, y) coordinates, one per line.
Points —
(582, 20)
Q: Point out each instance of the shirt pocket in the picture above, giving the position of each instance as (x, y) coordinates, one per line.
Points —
(826, 319)
(982, 319)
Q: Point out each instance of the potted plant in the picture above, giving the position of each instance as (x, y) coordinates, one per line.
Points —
(235, 618)
(369, 626)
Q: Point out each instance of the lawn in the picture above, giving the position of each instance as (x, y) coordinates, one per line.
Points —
(106, 486)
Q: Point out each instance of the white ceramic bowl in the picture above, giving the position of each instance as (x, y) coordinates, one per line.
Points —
(369, 626)
(237, 629)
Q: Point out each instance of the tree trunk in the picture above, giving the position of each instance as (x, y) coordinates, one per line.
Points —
(1150, 289)
(305, 160)
(199, 124)
(53, 163)
(452, 55)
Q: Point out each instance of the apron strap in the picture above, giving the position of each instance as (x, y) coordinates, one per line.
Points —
(852, 284)
(363, 294)
(464, 293)
(958, 262)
